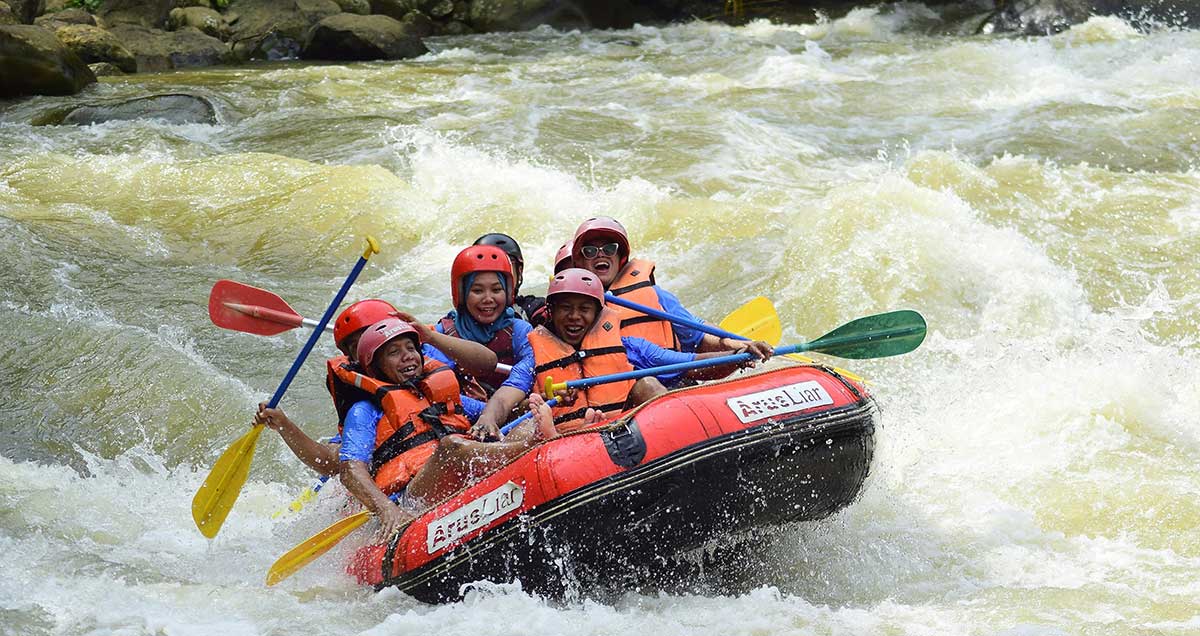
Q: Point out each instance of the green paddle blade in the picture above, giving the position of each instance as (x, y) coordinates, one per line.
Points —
(221, 488)
(877, 336)
(755, 320)
(314, 546)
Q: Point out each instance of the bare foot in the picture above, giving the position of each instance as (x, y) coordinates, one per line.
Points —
(592, 417)
(543, 418)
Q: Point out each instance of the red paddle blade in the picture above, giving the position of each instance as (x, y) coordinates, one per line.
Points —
(232, 305)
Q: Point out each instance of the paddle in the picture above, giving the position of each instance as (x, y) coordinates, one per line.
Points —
(237, 306)
(316, 545)
(221, 488)
(877, 336)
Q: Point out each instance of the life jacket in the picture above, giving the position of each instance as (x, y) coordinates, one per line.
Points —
(600, 353)
(635, 283)
(344, 395)
(416, 414)
(484, 385)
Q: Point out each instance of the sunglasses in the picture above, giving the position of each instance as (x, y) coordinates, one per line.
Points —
(591, 251)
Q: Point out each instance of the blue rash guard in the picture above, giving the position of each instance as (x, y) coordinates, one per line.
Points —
(689, 338)
(522, 371)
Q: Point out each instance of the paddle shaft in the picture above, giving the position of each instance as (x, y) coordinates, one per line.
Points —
(815, 345)
(320, 326)
(679, 320)
(274, 315)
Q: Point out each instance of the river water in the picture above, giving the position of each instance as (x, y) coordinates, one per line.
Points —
(1037, 200)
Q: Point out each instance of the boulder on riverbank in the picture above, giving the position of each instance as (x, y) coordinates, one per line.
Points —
(34, 62)
(275, 29)
(348, 36)
(93, 45)
(157, 50)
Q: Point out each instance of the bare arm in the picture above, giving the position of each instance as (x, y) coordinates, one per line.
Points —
(502, 402)
(470, 356)
(317, 456)
(356, 477)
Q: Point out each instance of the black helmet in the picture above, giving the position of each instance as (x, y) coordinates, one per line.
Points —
(504, 242)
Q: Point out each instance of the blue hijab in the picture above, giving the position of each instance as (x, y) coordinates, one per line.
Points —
(469, 328)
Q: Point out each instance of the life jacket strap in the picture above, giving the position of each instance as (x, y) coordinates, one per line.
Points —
(577, 356)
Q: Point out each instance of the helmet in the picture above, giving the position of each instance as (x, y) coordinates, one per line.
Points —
(601, 226)
(360, 315)
(379, 334)
(480, 258)
(574, 280)
(506, 243)
(562, 259)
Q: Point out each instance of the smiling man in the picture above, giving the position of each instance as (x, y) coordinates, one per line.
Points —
(601, 246)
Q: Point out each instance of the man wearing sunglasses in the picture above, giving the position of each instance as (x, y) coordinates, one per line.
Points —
(601, 246)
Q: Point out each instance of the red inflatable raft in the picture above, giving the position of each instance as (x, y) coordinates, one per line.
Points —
(788, 444)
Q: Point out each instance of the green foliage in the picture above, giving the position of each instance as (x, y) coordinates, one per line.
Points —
(89, 5)
(221, 4)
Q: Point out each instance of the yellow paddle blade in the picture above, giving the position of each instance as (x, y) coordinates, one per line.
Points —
(299, 502)
(221, 488)
(756, 320)
(315, 546)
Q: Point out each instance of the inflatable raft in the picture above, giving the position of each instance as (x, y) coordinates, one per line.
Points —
(787, 444)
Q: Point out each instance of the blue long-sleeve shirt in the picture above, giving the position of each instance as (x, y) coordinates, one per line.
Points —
(689, 338)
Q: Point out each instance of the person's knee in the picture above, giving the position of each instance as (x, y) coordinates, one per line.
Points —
(647, 388)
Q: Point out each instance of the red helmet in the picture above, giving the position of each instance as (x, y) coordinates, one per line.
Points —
(562, 259)
(574, 280)
(597, 227)
(379, 334)
(360, 315)
(479, 258)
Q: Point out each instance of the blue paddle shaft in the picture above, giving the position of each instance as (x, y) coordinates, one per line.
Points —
(679, 320)
(513, 424)
(316, 334)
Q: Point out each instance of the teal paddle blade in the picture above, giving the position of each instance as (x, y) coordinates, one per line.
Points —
(878, 336)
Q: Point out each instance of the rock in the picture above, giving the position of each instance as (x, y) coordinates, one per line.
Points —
(26, 10)
(462, 11)
(171, 108)
(516, 15)
(419, 24)
(349, 36)
(104, 69)
(454, 27)
(274, 29)
(441, 8)
(6, 14)
(34, 62)
(93, 44)
(183, 4)
(507, 15)
(147, 13)
(395, 8)
(62, 18)
(206, 20)
(54, 6)
(157, 50)
(357, 7)
(1045, 17)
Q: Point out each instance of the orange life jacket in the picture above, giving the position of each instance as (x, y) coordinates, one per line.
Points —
(600, 353)
(416, 414)
(635, 283)
(344, 395)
